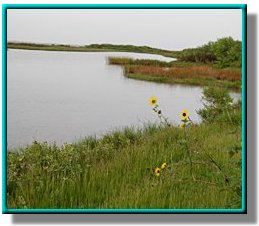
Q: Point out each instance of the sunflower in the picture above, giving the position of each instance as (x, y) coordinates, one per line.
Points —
(157, 171)
(184, 114)
(153, 101)
(164, 165)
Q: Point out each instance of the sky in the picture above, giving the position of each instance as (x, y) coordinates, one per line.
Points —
(173, 29)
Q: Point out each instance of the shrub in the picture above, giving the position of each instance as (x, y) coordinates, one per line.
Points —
(225, 52)
(219, 106)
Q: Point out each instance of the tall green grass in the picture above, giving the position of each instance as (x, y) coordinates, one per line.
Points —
(117, 171)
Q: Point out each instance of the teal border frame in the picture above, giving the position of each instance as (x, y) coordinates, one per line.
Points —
(242, 7)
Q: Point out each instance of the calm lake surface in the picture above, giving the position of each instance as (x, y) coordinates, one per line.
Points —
(63, 97)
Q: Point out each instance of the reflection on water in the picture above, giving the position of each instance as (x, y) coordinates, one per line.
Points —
(65, 96)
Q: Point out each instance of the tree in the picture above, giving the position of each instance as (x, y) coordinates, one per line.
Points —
(228, 52)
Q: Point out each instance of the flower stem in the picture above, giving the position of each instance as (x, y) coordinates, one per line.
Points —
(218, 166)
(189, 152)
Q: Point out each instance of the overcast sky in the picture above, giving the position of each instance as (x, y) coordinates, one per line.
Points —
(162, 28)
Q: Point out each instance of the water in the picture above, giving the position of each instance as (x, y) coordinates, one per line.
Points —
(64, 96)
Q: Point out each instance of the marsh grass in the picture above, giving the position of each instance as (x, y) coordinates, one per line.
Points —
(177, 72)
(188, 72)
(117, 170)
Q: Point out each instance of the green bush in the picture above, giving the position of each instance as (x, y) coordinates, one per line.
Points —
(225, 52)
(228, 52)
(219, 106)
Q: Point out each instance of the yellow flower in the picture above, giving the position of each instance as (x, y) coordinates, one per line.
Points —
(153, 101)
(157, 171)
(164, 165)
(184, 114)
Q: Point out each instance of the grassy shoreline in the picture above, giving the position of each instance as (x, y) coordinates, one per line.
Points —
(117, 171)
(92, 48)
(191, 81)
(177, 72)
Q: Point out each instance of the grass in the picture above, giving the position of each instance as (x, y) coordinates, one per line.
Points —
(92, 48)
(179, 72)
(117, 171)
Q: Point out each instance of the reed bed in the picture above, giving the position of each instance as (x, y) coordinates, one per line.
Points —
(187, 72)
(179, 72)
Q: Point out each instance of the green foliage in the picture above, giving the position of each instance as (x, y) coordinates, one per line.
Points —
(225, 52)
(117, 171)
(228, 52)
(204, 54)
(219, 106)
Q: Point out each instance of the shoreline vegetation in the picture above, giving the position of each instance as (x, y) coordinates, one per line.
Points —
(186, 166)
(92, 48)
(176, 72)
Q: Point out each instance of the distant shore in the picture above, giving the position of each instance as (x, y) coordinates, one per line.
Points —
(92, 48)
